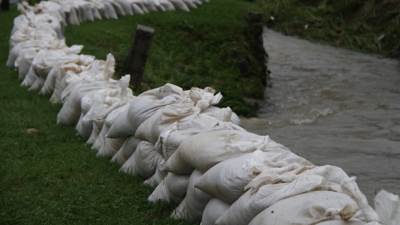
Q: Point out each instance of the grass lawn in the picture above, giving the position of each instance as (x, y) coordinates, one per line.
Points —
(52, 177)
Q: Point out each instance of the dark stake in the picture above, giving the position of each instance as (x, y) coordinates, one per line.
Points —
(254, 34)
(5, 5)
(137, 57)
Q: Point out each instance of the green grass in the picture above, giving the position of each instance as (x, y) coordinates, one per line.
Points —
(199, 48)
(363, 25)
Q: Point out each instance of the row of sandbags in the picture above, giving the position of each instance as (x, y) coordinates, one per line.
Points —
(193, 153)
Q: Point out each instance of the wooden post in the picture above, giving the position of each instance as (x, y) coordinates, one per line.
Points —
(137, 58)
(5, 5)
(254, 34)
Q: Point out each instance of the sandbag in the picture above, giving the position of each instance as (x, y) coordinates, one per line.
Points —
(170, 139)
(143, 161)
(249, 205)
(172, 189)
(126, 150)
(192, 206)
(223, 114)
(110, 147)
(227, 180)
(206, 149)
(387, 206)
(157, 177)
(214, 209)
(163, 119)
(143, 107)
(306, 209)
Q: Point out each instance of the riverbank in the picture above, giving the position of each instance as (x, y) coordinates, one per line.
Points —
(367, 26)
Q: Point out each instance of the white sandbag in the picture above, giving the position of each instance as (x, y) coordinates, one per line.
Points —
(143, 161)
(95, 133)
(47, 59)
(170, 139)
(387, 206)
(110, 147)
(192, 206)
(343, 222)
(180, 5)
(100, 128)
(172, 189)
(309, 208)
(58, 71)
(71, 110)
(214, 209)
(206, 149)
(126, 150)
(157, 177)
(292, 182)
(249, 205)
(29, 78)
(71, 75)
(223, 114)
(73, 94)
(96, 105)
(227, 180)
(163, 119)
(143, 107)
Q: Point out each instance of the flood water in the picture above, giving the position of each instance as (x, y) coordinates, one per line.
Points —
(334, 106)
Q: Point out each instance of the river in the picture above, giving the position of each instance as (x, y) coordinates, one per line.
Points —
(334, 106)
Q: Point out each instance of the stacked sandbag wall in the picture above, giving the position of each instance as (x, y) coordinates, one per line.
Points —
(193, 153)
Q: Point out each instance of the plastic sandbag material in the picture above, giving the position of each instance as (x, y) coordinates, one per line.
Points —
(73, 94)
(223, 114)
(58, 72)
(206, 149)
(143, 161)
(98, 104)
(180, 5)
(387, 206)
(110, 147)
(163, 119)
(214, 209)
(334, 179)
(44, 61)
(171, 189)
(47, 59)
(246, 207)
(342, 222)
(290, 183)
(157, 177)
(143, 107)
(71, 110)
(33, 33)
(52, 8)
(309, 208)
(204, 98)
(99, 71)
(170, 139)
(71, 75)
(192, 206)
(227, 180)
(100, 128)
(126, 150)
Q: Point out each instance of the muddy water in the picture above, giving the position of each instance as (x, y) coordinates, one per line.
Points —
(334, 106)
